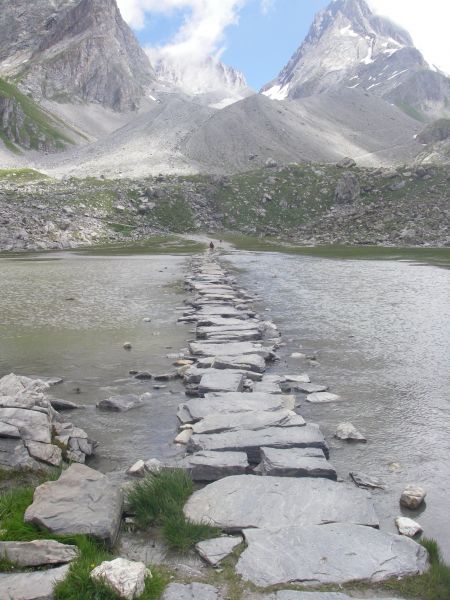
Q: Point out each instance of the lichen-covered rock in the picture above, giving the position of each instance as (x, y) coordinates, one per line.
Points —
(125, 577)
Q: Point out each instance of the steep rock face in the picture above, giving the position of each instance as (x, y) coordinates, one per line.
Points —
(209, 81)
(74, 50)
(349, 46)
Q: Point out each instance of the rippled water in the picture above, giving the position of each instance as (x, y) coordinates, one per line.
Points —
(68, 315)
(381, 333)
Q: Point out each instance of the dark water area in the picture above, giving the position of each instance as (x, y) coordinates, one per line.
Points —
(381, 334)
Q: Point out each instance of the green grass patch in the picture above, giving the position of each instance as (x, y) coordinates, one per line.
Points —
(412, 112)
(21, 175)
(159, 500)
(433, 585)
(38, 125)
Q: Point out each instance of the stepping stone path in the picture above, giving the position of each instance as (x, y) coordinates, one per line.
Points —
(271, 479)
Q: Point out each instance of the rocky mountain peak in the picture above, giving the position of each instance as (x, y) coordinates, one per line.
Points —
(349, 46)
(73, 51)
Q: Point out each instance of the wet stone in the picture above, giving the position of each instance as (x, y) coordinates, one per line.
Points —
(309, 388)
(322, 397)
(295, 462)
(231, 349)
(120, 403)
(221, 381)
(365, 481)
(211, 466)
(255, 420)
(328, 554)
(250, 442)
(246, 501)
(348, 432)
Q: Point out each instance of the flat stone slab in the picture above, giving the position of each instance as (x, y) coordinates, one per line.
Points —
(303, 378)
(220, 310)
(82, 500)
(190, 591)
(230, 349)
(292, 595)
(211, 466)
(328, 554)
(245, 440)
(267, 386)
(248, 362)
(245, 501)
(215, 550)
(295, 462)
(322, 397)
(234, 336)
(309, 388)
(232, 402)
(215, 321)
(31, 586)
(37, 553)
(254, 420)
(221, 381)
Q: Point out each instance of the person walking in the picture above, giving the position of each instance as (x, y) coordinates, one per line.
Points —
(211, 246)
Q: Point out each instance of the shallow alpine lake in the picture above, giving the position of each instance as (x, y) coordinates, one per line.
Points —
(380, 330)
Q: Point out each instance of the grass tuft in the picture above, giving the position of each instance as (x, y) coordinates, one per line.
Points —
(159, 500)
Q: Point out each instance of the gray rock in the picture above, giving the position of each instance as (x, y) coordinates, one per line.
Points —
(310, 388)
(221, 381)
(211, 466)
(231, 349)
(48, 453)
(295, 462)
(407, 526)
(244, 440)
(215, 550)
(291, 595)
(248, 362)
(347, 431)
(125, 577)
(365, 481)
(412, 496)
(325, 554)
(31, 586)
(217, 423)
(347, 189)
(322, 397)
(37, 553)
(59, 404)
(80, 501)
(303, 378)
(232, 402)
(190, 591)
(120, 403)
(243, 501)
(33, 425)
(14, 455)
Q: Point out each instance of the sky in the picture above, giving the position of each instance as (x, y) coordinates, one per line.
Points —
(258, 37)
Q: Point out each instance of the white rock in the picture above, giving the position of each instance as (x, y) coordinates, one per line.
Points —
(412, 496)
(137, 469)
(322, 397)
(407, 526)
(183, 437)
(125, 577)
(347, 431)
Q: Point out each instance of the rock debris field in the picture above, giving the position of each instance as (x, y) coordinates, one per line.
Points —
(263, 472)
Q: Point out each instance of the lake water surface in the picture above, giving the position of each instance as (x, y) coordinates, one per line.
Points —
(380, 331)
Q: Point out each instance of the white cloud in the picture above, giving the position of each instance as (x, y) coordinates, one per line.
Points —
(267, 6)
(427, 22)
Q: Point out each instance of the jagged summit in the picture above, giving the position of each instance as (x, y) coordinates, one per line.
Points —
(349, 46)
(208, 80)
(73, 51)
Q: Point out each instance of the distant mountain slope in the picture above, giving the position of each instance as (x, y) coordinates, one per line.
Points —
(73, 51)
(349, 47)
(320, 128)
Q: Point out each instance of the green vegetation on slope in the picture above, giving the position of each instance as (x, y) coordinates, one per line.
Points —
(23, 175)
(25, 124)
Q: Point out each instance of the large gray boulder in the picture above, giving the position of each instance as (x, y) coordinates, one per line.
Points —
(37, 553)
(328, 554)
(233, 402)
(249, 441)
(243, 501)
(80, 501)
(347, 189)
(31, 586)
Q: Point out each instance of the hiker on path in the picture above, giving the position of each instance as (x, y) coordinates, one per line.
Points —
(211, 246)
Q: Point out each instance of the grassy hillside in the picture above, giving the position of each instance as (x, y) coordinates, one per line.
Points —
(23, 124)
